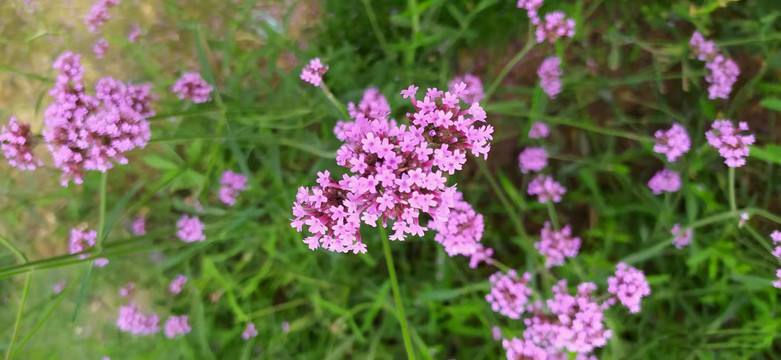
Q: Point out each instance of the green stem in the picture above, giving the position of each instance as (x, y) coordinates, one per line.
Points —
(13, 249)
(102, 213)
(732, 205)
(411, 47)
(507, 67)
(396, 293)
(27, 281)
(334, 100)
(554, 219)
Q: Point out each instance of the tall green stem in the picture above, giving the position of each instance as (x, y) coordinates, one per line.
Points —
(554, 219)
(509, 66)
(396, 293)
(27, 281)
(102, 213)
(732, 205)
(334, 100)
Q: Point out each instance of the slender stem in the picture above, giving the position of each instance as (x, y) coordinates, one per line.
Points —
(396, 293)
(102, 213)
(732, 205)
(507, 67)
(554, 219)
(13, 249)
(334, 100)
(412, 5)
(27, 281)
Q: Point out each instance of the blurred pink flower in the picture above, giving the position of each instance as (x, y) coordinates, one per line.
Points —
(16, 141)
(665, 181)
(550, 76)
(629, 287)
(314, 71)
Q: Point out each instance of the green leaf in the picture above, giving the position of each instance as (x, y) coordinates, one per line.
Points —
(770, 153)
(772, 104)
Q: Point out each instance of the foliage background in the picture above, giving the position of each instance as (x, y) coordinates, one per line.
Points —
(628, 72)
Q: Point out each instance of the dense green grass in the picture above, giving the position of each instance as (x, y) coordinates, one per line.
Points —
(711, 300)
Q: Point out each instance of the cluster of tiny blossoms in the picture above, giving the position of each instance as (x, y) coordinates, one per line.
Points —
(552, 27)
(538, 130)
(557, 245)
(722, 71)
(474, 88)
(397, 171)
(532, 159)
(546, 189)
(314, 71)
(98, 14)
(85, 132)
(133, 321)
(16, 143)
(509, 293)
(629, 287)
(665, 181)
(681, 238)
(550, 76)
(673, 142)
(176, 285)
(728, 140)
(192, 86)
(231, 184)
(190, 229)
(461, 231)
(776, 236)
(176, 325)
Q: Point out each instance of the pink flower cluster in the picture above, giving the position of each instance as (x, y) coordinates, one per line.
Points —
(672, 143)
(722, 72)
(550, 76)
(373, 105)
(176, 285)
(98, 14)
(545, 188)
(86, 132)
(138, 227)
(133, 321)
(313, 72)
(629, 287)
(190, 229)
(134, 34)
(681, 238)
(231, 184)
(538, 130)
(532, 159)
(16, 141)
(557, 245)
(474, 88)
(192, 86)
(80, 241)
(461, 231)
(509, 293)
(249, 332)
(127, 290)
(397, 171)
(554, 26)
(100, 48)
(776, 236)
(176, 325)
(665, 181)
(732, 145)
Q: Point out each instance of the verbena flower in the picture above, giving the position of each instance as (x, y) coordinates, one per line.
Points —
(557, 245)
(538, 130)
(777, 283)
(176, 325)
(176, 285)
(665, 181)
(461, 231)
(100, 48)
(138, 227)
(249, 332)
(629, 287)
(81, 240)
(531, 7)
(396, 171)
(285, 327)
(555, 25)
(86, 132)
(314, 71)
(722, 74)
(473, 91)
(743, 218)
(192, 86)
(190, 229)
(703, 49)
(100, 262)
(730, 142)
(481, 254)
(509, 293)
(98, 14)
(131, 320)
(673, 142)
(16, 141)
(550, 76)
(532, 159)
(545, 188)
(776, 236)
(373, 105)
(127, 290)
(134, 34)
(681, 238)
(231, 184)
(58, 287)
(496, 333)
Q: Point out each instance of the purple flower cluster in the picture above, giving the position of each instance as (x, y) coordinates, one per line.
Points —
(460, 232)
(538, 130)
(127, 290)
(176, 325)
(98, 14)
(672, 143)
(231, 184)
(86, 132)
(722, 72)
(249, 332)
(629, 287)
(313, 72)
(373, 105)
(397, 171)
(681, 238)
(776, 236)
(133, 321)
(176, 285)
(665, 181)
(732, 145)
(554, 26)
(557, 245)
(80, 241)
(509, 293)
(550, 76)
(134, 34)
(532, 159)
(190, 229)
(100, 48)
(481, 254)
(474, 88)
(192, 86)
(16, 141)
(545, 188)
(531, 7)
(138, 227)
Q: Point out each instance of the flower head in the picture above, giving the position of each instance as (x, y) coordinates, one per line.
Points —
(461, 231)
(665, 181)
(138, 227)
(545, 188)
(249, 332)
(314, 71)
(550, 76)
(557, 245)
(703, 49)
(722, 74)
(532, 159)
(176, 325)
(80, 241)
(509, 293)
(728, 140)
(16, 141)
(192, 86)
(98, 14)
(672, 143)
(131, 320)
(776, 236)
(555, 25)
(100, 262)
(100, 48)
(472, 92)
(681, 238)
(175, 287)
(538, 130)
(629, 287)
(777, 283)
(134, 34)
(231, 184)
(58, 287)
(481, 254)
(127, 290)
(190, 229)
